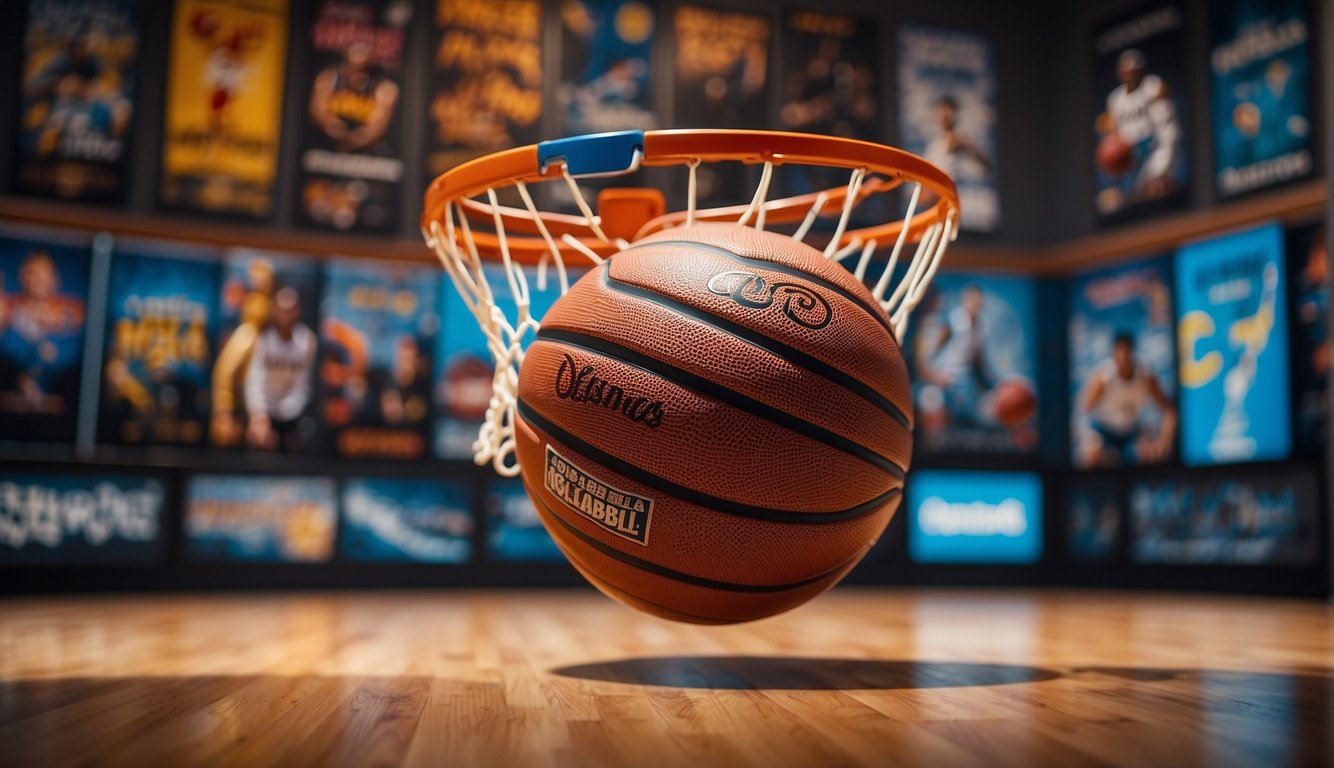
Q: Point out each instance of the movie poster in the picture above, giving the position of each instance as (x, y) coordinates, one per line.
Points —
(1268, 519)
(79, 519)
(1308, 264)
(260, 518)
(351, 169)
(947, 113)
(974, 517)
(486, 80)
(43, 306)
(1093, 519)
(1122, 338)
(973, 360)
(378, 325)
(514, 532)
(606, 49)
(161, 322)
(1232, 342)
(76, 98)
(406, 521)
(223, 112)
(263, 378)
(1260, 62)
(1140, 127)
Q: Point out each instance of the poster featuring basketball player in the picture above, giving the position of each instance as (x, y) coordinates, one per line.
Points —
(1232, 342)
(1260, 67)
(350, 170)
(76, 98)
(406, 520)
(1093, 519)
(161, 323)
(1308, 264)
(1141, 155)
(514, 532)
(263, 377)
(606, 49)
(76, 518)
(223, 112)
(972, 357)
(947, 113)
(378, 325)
(1122, 341)
(486, 80)
(43, 306)
(260, 518)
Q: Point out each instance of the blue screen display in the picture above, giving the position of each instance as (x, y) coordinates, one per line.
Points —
(974, 517)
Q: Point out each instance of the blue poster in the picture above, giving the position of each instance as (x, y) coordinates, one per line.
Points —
(43, 306)
(378, 326)
(974, 517)
(1122, 366)
(973, 355)
(1260, 62)
(406, 520)
(606, 49)
(514, 532)
(1232, 341)
(1308, 264)
(162, 317)
(260, 518)
(79, 519)
(1093, 519)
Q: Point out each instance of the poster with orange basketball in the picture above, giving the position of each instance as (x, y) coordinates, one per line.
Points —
(223, 113)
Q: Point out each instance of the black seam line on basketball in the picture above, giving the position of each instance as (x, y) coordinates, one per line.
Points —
(773, 346)
(662, 570)
(699, 498)
(875, 312)
(720, 393)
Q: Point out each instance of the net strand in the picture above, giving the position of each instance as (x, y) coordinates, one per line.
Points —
(811, 216)
(757, 202)
(849, 202)
(692, 195)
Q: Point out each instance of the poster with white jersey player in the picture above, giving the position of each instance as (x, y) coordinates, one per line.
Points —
(1141, 152)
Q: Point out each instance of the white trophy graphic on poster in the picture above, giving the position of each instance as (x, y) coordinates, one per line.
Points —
(1231, 439)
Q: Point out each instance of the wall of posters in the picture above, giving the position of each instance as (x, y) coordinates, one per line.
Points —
(972, 351)
(406, 520)
(1260, 63)
(79, 519)
(350, 171)
(1142, 154)
(1093, 519)
(1270, 519)
(161, 322)
(486, 80)
(514, 532)
(1122, 343)
(43, 308)
(223, 112)
(974, 517)
(1232, 341)
(264, 373)
(947, 113)
(606, 48)
(76, 98)
(1308, 264)
(260, 518)
(378, 323)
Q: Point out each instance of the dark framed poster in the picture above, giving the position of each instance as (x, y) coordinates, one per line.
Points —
(260, 518)
(1260, 62)
(1141, 157)
(223, 113)
(406, 520)
(1308, 270)
(350, 172)
(77, 94)
(606, 49)
(78, 518)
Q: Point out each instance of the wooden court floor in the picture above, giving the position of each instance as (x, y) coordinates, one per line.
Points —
(875, 678)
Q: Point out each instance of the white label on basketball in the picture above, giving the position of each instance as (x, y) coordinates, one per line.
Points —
(621, 512)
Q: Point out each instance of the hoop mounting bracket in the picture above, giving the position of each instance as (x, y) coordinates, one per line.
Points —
(594, 154)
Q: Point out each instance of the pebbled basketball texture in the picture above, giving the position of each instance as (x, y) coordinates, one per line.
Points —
(715, 425)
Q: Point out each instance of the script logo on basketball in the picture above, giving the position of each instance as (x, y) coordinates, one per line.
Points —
(581, 384)
(621, 512)
(800, 304)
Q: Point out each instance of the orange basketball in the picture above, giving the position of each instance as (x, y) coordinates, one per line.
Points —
(715, 425)
(1115, 155)
(1014, 401)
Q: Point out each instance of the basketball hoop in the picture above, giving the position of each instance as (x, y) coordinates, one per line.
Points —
(465, 224)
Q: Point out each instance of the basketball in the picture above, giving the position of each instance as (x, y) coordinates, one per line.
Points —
(1014, 402)
(1115, 155)
(715, 424)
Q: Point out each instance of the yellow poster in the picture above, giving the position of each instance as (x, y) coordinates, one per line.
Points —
(224, 105)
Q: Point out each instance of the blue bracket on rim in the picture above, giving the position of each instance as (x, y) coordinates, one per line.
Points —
(594, 154)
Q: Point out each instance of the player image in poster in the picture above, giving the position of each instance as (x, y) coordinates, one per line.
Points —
(486, 80)
(1308, 264)
(1141, 156)
(1260, 61)
(223, 111)
(1232, 341)
(43, 304)
(606, 48)
(973, 364)
(76, 98)
(947, 113)
(161, 320)
(350, 170)
(378, 324)
(260, 518)
(1122, 369)
(79, 519)
(406, 520)
(264, 373)
(1093, 520)
(514, 532)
